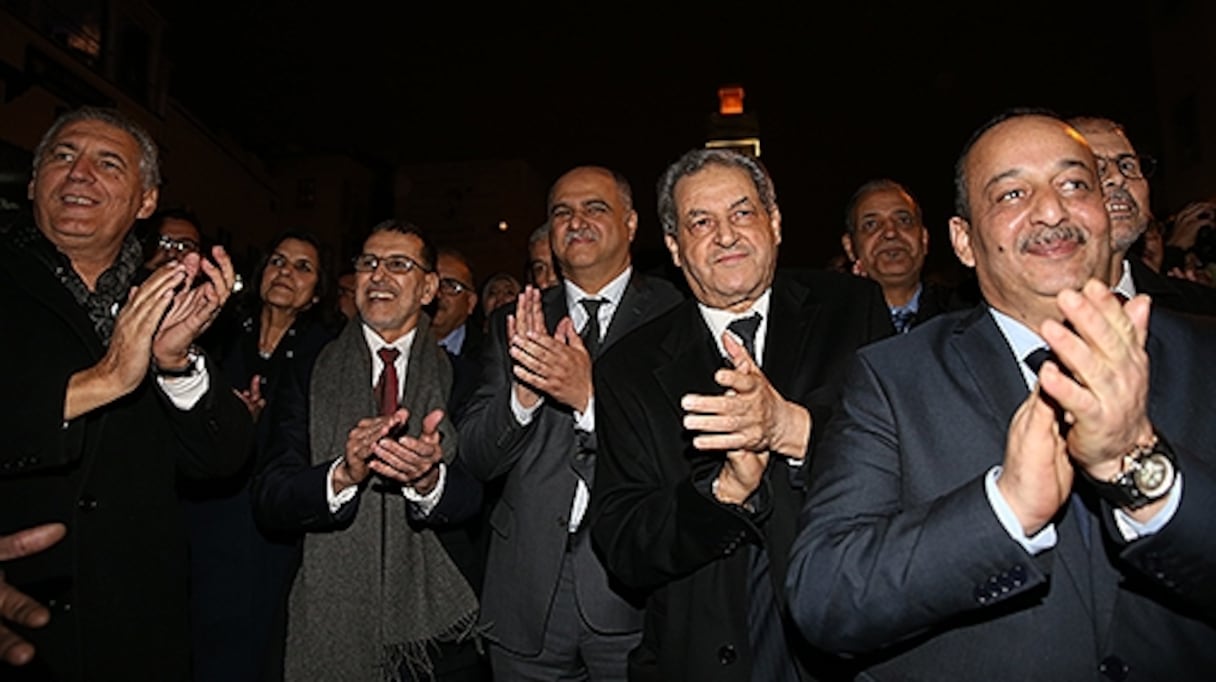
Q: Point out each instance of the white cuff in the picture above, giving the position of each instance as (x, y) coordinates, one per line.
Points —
(523, 415)
(185, 392)
(1041, 541)
(1132, 529)
(337, 500)
(585, 421)
(426, 503)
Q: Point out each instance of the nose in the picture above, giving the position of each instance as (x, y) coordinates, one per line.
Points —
(725, 233)
(1111, 177)
(81, 169)
(1048, 208)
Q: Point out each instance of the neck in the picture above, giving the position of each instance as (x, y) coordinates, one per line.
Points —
(1116, 266)
(90, 269)
(593, 280)
(275, 323)
(900, 294)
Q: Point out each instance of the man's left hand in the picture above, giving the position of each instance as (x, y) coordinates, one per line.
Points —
(193, 309)
(559, 365)
(1105, 403)
(413, 462)
(750, 416)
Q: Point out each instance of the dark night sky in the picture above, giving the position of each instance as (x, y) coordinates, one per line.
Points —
(879, 89)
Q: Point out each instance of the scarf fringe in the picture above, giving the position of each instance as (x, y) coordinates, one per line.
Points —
(415, 656)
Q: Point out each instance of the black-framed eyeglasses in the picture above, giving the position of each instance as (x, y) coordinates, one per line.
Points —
(181, 246)
(398, 264)
(278, 261)
(1131, 166)
(453, 287)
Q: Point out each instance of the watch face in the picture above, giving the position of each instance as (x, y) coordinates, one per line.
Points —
(1154, 475)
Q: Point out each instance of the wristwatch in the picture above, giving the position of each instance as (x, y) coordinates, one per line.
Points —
(1148, 474)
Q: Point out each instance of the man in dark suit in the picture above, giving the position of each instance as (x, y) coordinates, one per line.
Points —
(455, 301)
(1124, 175)
(363, 462)
(548, 604)
(886, 239)
(700, 474)
(107, 403)
(972, 519)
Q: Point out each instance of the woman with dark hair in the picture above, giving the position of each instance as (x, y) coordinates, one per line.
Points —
(240, 575)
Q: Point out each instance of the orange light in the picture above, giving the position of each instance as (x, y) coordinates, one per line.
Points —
(730, 100)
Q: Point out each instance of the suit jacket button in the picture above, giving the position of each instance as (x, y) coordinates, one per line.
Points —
(727, 654)
(86, 503)
(1114, 668)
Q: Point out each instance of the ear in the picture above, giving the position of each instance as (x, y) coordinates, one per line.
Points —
(960, 239)
(674, 248)
(924, 239)
(631, 221)
(147, 203)
(29, 189)
(774, 222)
(430, 285)
(846, 241)
(472, 303)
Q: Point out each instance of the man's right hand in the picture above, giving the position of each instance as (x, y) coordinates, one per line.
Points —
(125, 363)
(16, 607)
(354, 467)
(528, 317)
(1036, 476)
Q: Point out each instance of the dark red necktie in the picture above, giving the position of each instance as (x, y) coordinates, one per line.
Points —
(386, 388)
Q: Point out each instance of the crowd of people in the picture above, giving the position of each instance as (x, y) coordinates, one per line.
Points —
(397, 472)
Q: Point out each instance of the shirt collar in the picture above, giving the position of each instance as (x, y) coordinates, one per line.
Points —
(718, 319)
(611, 293)
(913, 304)
(454, 341)
(375, 343)
(1021, 339)
(1126, 286)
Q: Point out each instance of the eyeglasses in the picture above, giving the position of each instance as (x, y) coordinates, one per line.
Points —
(278, 261)
(181, 246)
(398, 264)
(1131, 166)
(453, 287)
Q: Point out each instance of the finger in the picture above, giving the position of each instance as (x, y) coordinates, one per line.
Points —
(1138, 310)
(711, 404)
(738, 355)
(14, 650)
(431, 422)
(720, 441)
(31, 540)
(747, 380)
(255, 387)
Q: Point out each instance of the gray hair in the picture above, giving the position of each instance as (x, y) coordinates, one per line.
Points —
(850, 220)
(695, 161)
(149, 157)
(540, 233)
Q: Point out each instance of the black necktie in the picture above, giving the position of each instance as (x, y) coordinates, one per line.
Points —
(591, 330)
(745, 328)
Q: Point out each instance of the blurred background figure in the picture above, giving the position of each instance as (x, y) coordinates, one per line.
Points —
(541, 272)
(170, 234)
(499, 289)
(345, 299)
(240, 575)
(1190, 244)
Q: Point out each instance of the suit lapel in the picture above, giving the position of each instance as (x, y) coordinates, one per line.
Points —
(635, 302)
(693, 357)
(789, 339)
(30, 274)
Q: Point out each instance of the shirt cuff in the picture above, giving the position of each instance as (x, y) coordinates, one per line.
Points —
(1041, 541)
(337, 500)
(523, 415)
(426, 503)
(1132, 529)
(585, 421)
(185, 392)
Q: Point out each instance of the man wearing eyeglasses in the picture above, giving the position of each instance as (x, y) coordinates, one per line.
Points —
(363, 462)
(547, 601)
(1124, 175)
(455, 301)
(173, 233)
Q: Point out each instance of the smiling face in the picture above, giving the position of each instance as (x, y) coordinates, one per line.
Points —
(592, 227)
(289, 281)
(725, 241)
(88, 191)
(1038, 221)
(390, 303)
(1127, 200)
(451, 310)
(889, 238)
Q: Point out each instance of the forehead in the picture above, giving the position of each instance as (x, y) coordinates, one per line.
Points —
(390, 242)
(448, 264)
(108, 138)
(584, 184)
(714, 184)
(297, 248)
(1024, 145)
(1109, 142)
(176, 227)
(884, 199)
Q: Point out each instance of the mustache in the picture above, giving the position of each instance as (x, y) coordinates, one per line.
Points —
(578, 233)
(1050, 235)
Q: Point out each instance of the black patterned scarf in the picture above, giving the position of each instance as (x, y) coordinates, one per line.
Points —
(103, 303)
